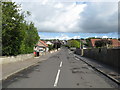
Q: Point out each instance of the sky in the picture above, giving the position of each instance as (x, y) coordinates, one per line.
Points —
(73, 19)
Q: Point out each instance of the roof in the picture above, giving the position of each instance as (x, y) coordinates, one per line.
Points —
(93, 41)
(42, 43)
(115, 42)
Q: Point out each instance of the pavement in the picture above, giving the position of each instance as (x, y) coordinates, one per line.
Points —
(60, 70)
(108, 71)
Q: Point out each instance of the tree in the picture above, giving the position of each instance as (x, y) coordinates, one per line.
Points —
(11, 28)
(103, 43)
(18, 37)
(119, 39)
(50, 47)
(74, 43)
(99, 43)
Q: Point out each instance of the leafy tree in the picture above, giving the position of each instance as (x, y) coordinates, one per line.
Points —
(11, 28)
(50, 47)
(119, 39)
(74, 43)
(99, 43)
(18, 37)
(103, 43)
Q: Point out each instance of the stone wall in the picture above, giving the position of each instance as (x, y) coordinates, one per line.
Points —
(107, 56)
(11, 59)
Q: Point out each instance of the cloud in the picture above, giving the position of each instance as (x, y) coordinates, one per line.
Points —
(62, 20)
(59, 5)
(104, 36)
(60, 37)
(100, 18)
(87, 17)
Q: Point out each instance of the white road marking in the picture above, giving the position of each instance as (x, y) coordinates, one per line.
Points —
(77, 59)
(57, 78)
(61, 64)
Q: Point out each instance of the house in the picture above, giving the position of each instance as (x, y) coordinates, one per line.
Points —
(92, 42)
(115, 42)
(43, 47)
(49, 43)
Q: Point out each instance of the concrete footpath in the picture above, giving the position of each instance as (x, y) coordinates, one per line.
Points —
(102, 68)
(13, 68)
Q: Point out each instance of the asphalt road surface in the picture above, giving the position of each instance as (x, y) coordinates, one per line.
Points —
(61, 70)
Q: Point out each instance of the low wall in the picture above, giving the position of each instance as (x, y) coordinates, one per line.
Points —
(107, 56)
(78, 51)
(11, 59)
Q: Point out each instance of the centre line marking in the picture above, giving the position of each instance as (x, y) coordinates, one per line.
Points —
(57, 78)
(61, 64)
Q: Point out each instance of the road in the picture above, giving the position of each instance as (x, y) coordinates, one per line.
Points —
(61, 70)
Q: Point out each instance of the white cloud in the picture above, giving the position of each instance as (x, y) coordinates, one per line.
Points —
(59, 5)
(53, 16)
(100, 17)
(66, 0)
(104, 36)
(76, 37)
(64, 20)
(60, 37)
(44, 2)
